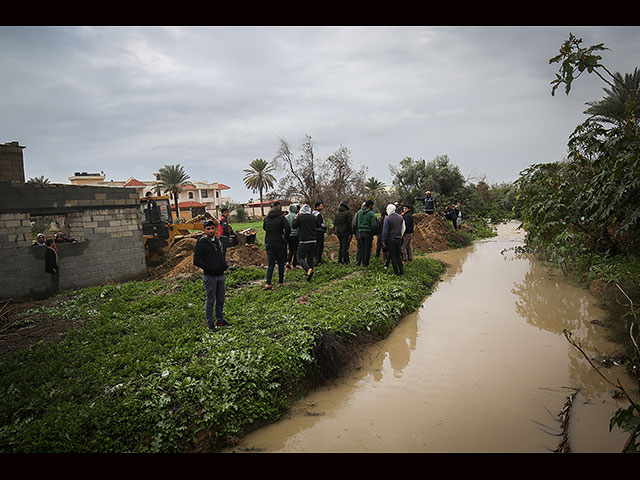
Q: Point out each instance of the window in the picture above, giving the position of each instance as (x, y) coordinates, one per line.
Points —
(204, 194)
(190, 195)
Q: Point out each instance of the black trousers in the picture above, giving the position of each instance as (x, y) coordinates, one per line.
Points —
(319, 246)
(292, 253)
(394, 245)
(365, 241)
(306, 254)
(343, 251)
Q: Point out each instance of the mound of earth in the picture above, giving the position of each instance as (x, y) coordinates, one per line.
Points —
(180, 259)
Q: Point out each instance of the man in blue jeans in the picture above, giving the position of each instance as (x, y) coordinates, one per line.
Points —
(208, 255)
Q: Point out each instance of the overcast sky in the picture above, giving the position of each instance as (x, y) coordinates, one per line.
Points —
(128, 100)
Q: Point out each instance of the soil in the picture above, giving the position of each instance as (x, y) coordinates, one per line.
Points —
(17, 332)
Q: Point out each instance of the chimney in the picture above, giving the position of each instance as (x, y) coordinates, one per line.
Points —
(11, 162)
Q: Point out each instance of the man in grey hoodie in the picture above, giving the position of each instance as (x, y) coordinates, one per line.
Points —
(294, 238)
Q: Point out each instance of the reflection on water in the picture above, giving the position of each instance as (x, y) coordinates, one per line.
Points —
(478, 368)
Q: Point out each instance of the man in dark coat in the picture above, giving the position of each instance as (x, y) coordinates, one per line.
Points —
(429, 203)
(342, 224)
(320, 231)
(277, 230)
(208, 255)
(51, 264)
(392, 232)
(306, 223)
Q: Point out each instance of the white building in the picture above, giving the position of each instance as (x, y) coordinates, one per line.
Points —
(192, 200)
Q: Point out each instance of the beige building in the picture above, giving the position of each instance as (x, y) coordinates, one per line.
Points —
(192, 200)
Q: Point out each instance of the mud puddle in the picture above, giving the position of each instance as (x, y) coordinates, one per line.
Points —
(482, 366)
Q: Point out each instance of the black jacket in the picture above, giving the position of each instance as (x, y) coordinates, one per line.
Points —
(408, 222)
(208, 255)
(50, 261)
(306, 223)
(277, 228)
(343, 220)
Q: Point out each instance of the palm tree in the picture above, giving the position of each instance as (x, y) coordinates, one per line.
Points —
(259, 177)
(170, 179)
(41, 180)
(373, 185)
(621, 105)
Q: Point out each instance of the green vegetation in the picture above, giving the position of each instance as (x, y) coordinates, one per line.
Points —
(583, 213)
(142, 375)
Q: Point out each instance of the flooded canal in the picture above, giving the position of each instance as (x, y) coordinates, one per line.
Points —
(482, 366)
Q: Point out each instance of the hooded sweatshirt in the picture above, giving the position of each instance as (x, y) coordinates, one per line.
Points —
(277, 227)
(393, 227)
(291, 216)
(306, 223)
(343, 220)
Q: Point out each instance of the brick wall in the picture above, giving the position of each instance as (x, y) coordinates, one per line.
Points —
(105, 221)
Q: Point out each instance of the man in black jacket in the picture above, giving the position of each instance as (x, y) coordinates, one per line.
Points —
(51, 264)
(320, 231)
(277, 230)
(306, 223)
(208, 254)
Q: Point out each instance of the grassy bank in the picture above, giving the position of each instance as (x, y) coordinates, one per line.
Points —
(141, 374)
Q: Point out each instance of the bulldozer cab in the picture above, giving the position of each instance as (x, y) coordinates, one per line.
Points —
(156, 215)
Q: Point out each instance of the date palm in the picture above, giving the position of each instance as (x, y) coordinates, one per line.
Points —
(170, 179)
(259, 177)
(621, 105)
(41, 180)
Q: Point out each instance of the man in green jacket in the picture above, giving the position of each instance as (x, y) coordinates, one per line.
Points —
(366, 225)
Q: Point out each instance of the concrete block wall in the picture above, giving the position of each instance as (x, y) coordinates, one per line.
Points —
(106, 221)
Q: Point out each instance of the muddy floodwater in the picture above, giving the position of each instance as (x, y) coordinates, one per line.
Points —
(482, 366)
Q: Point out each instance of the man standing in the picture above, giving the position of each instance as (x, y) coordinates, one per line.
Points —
(320, 231)
(407, 239)
(366, 225)
(429, 203)
(342, 224)
(51, 265)
(292, 243)
(306, 223)
(392, 232)
(208, 255)
(277, 230)
(224, 230)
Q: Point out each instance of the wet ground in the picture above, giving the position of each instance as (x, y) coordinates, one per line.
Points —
(483, 366)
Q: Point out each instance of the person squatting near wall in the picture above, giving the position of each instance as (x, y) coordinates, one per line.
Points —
(208, 255)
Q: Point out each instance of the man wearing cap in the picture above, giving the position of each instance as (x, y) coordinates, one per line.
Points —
(429, 203)
(208, 255)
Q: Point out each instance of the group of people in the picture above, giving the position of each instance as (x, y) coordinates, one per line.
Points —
(453, 213)
(295, 239)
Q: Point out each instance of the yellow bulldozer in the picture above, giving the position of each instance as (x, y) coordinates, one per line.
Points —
(160, 232)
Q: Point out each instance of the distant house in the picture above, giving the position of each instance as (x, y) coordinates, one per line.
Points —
(192, 200)
(254, 209)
